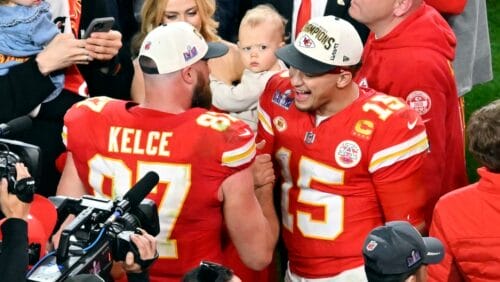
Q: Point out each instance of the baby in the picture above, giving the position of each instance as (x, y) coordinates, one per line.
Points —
(262, 31)
(25, 28)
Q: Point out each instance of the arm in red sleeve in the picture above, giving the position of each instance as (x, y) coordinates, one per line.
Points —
(447, 269)
(404, 199)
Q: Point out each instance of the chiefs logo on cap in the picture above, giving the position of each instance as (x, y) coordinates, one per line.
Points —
(306, 42)
(371, 245)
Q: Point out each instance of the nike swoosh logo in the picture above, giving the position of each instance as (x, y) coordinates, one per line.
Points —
(246, 133)
(411, 125)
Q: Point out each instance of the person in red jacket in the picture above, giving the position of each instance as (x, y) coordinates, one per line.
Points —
(408, 54)
(471, 243)
(453, 7)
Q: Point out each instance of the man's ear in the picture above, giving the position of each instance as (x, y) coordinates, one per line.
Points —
(188, 75)
(401, 7)
(344, 79)
(282, 43)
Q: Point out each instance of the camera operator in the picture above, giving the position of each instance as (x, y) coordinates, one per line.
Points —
(14, 256)
(146, 244)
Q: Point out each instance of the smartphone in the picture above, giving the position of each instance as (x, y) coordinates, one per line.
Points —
(99, 25)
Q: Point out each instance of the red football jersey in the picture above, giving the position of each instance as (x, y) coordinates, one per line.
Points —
(334, 173)
(114, 143)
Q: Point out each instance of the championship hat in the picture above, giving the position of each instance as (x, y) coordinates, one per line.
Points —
(397, 248)
(323, 44)
(174, 46)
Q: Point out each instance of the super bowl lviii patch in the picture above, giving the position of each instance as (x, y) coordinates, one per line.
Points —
(283, 99)
(190, 53)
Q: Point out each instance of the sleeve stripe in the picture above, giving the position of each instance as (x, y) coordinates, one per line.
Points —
(399, 152)
(64, 135)
(239, 156)
(265, 121)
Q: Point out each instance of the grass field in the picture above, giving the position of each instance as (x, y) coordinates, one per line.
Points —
(485, 93)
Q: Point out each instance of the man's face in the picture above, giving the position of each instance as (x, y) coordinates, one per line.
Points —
(313, 93)
(202, 95)
(372, 12)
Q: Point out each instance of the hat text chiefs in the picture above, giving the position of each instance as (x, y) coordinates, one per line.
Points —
(131, 141)
(320, 35)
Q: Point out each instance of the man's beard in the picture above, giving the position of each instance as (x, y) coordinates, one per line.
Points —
(202, 95)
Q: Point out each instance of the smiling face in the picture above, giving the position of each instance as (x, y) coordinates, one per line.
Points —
(182, 10)
(257, 44)
(313, 93)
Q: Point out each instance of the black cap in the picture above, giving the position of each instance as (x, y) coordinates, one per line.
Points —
(292, 57)
(398, 248)
(215, 49)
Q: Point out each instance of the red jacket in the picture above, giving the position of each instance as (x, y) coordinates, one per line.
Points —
(454, 7)
(466, 221)
(413, 62)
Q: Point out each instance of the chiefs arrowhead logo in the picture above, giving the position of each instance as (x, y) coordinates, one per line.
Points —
(306, 42)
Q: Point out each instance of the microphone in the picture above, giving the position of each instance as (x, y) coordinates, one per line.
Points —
(135, 195)
(15, 126)
(141, 189)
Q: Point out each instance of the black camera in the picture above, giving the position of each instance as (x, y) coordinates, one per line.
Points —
(99, 234)
(145, 216)
(12, 152)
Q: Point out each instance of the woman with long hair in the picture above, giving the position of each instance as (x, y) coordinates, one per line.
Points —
(200, 14)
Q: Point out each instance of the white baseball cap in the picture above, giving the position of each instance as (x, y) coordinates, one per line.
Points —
(175, 46)
(323, 44)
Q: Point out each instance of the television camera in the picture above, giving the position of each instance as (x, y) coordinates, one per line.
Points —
(100, 232)
(12, 152)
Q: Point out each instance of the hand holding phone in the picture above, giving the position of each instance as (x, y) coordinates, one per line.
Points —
(99, 25)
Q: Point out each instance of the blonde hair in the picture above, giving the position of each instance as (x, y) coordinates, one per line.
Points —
(262, 13)
(152, 16)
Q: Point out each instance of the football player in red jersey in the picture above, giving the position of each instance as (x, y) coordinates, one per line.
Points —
(349, 156)
(202, 158)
